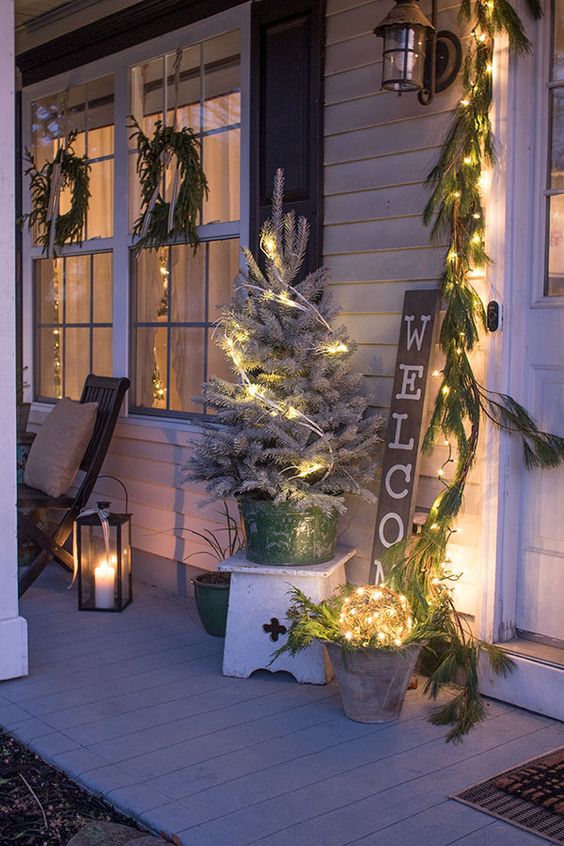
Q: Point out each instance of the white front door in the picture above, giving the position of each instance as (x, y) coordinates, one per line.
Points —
(530, 586)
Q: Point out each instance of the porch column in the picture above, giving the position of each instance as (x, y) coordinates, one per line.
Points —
(13, 628)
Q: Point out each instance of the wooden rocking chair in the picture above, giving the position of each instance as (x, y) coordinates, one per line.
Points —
(108, 393)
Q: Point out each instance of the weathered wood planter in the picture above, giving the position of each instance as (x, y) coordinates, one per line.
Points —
(373, 682)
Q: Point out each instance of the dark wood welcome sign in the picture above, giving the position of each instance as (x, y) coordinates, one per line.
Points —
(400, 465)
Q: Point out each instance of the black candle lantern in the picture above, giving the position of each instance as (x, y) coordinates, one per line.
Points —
(103, 547)
(416, 57)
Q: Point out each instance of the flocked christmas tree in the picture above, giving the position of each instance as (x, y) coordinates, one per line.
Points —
(295, 423)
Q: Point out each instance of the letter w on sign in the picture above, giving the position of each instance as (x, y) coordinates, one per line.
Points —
(401, 454)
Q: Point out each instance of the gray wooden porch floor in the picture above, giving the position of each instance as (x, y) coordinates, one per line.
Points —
(134, 706)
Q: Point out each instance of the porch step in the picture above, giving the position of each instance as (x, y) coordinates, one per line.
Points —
(544, 653)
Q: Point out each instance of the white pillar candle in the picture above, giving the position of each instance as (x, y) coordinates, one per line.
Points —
(104, 585)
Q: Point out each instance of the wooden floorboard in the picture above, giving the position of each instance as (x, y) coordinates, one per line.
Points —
(134, 706)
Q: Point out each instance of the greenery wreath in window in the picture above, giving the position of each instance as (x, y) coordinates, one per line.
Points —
(160, 220)
(65, 171)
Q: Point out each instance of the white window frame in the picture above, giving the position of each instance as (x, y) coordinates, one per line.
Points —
(119, 65)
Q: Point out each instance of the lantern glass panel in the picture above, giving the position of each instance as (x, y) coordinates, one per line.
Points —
(404, 58)
(98, 575)
(125, 564)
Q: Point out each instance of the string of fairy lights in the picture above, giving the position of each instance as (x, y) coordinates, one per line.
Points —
(57, 361)
(233, 342)
(157, 382)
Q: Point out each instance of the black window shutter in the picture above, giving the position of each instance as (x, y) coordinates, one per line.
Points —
(287, 112)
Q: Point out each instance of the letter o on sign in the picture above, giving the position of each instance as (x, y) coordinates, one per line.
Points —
(395, 518)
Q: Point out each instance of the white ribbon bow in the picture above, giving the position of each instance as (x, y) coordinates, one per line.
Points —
(103, 517)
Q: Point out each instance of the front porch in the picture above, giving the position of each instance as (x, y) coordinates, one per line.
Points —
(134, 706)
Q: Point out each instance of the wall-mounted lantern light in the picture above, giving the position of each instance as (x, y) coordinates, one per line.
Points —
(416, 56)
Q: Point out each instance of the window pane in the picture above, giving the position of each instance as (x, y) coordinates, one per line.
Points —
(557, 140)
(218, 363)
(102, 281)
(100, 216)
(151, 367)
(186, 368)
(76, 117)
(556, 246)
(147, 92)
(102, 352)
(222, 111)
(558, 58)
(152, 273)
(222, 80)
(49, 363)
(77, 289)
(188, 115)
(45, 129)
(189, 89)
(101, 141)
(76, 361)
(223, 270)
(188, 294)
(221, 159)
(49, 276)
(134, 190)
(100, 117)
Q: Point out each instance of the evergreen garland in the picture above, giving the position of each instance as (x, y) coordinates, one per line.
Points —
(155, 225)
(455, 209)
(74, 174)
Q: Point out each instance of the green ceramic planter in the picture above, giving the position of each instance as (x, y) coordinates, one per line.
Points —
(212, 601)
(279, 534)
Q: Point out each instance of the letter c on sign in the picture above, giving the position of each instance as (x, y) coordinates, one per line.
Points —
(391, 515)
(406, 470)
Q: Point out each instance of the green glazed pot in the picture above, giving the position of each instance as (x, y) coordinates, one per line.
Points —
(279, 534)
(212, 601)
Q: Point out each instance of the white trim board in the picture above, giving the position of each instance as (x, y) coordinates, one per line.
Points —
(532, 685)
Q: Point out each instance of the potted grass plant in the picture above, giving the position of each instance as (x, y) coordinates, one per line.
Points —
(211, 589)
(372, 641)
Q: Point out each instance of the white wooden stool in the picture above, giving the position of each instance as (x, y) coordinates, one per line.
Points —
(257, 622)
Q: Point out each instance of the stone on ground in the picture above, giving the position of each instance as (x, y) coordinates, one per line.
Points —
(102, 833)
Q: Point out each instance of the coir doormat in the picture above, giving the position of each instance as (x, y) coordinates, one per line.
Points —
(530, 796)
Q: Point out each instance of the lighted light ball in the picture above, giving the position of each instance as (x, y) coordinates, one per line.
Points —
(377, 616)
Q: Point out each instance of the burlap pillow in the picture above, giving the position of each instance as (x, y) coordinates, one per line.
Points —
(59, 446)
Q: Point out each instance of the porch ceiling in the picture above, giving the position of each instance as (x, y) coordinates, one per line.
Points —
(28, 10)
